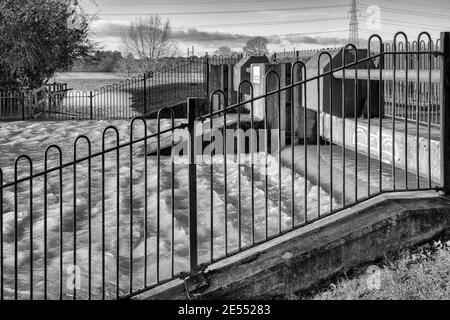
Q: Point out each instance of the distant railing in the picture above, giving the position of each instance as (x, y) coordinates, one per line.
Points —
(299, 55)
(412, 97)
(123, 100)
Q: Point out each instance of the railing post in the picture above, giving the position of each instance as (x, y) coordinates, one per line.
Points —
(46, 103)
(445, 113)
(24, 97)
(207, 74)
(91, 110)
(193, 248)
(145, 94)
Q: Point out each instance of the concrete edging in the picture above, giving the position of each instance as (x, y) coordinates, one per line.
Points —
(302, 258)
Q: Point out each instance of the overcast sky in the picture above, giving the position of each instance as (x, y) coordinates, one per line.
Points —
(303, 24)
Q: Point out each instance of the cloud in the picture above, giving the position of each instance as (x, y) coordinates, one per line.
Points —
(107, 30)
(315, 40)
(193, 34)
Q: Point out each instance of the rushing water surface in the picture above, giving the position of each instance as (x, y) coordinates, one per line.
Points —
(128, 216)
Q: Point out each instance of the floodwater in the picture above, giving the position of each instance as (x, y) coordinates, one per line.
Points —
(154, 236)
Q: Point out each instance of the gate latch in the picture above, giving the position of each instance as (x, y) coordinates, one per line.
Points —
(193, 282)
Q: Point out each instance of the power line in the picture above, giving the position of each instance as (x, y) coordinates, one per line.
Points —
(422, 5)
(244, 37)
(414, 13)
(209, 3)
(415, 25)
(237, 24)
(226, 12)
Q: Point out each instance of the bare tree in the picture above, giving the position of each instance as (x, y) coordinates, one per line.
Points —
(224, 51)
(149, 40)
(256, 46)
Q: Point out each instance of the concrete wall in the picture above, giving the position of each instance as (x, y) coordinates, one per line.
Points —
(365, 140)
(292, 98)
(330, 96)
(221, 78)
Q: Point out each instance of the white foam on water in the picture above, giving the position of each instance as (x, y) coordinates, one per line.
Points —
(31, 138)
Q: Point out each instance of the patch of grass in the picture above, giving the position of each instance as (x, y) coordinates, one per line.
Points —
(417, 274)
(165, 95)
(87, 81)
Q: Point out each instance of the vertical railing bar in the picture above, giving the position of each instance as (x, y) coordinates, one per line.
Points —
(192, 186)
(343, 125)
(1, 231)
(31, 235)
(305, 143)
(293, 98)
(445, 112)
(103, 219)
(16, 236)
(61, 247)
(382, 104)
(369, 116)
(211, 105)
(158, 199)
(418, 109)
(393, 111)
(225, 177)
(239, 207)
(90, 225)
(173, 195)
(429, 118)
(406, 113)
(132, 207)
(116, 131)
(318, 137)
(266, 173)
(355, 102)
(252, 143)
(75, 215)
(145, 203)
(280, 132)
(74, 229)
(45, 222)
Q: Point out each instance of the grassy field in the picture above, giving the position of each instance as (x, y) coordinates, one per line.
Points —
(87, 81)
(90, 80)
(421, 273)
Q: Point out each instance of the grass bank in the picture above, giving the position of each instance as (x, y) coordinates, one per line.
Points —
(421, 273)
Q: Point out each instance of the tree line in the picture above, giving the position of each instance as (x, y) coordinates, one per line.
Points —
(40, 38)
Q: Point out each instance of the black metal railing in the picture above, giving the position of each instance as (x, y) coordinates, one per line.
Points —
(126, 99)
(113, 218)
(299, 55)
(422, 92)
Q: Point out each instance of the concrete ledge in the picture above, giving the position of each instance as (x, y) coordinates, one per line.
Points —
(302, 258)
(428, 145)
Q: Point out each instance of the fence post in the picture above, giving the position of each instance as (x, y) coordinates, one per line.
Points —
(145, 94)
(193, 248)
(91, 107)
(445, 113)
(207, 62)
(46, 103)
(24, 97)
